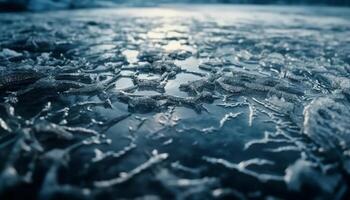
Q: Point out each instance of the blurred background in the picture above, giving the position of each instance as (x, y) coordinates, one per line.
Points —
(42, 5)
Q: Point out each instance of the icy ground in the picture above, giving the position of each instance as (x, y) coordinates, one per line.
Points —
(206, 102)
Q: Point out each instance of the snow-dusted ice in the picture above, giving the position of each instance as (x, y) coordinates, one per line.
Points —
(200, 102)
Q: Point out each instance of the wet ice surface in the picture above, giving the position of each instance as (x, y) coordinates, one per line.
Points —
(175, 103)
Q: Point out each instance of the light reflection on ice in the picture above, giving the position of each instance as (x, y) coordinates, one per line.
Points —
(131, 55)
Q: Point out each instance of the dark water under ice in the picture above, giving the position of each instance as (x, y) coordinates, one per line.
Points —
(206, 102)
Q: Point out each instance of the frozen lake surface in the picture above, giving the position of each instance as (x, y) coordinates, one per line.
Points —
(175, 102)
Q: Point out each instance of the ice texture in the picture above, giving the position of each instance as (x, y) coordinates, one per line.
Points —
(220, 102)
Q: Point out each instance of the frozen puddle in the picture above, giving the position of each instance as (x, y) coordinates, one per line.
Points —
(207, 102)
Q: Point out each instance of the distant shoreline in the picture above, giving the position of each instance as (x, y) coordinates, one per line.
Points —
(38, 5)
